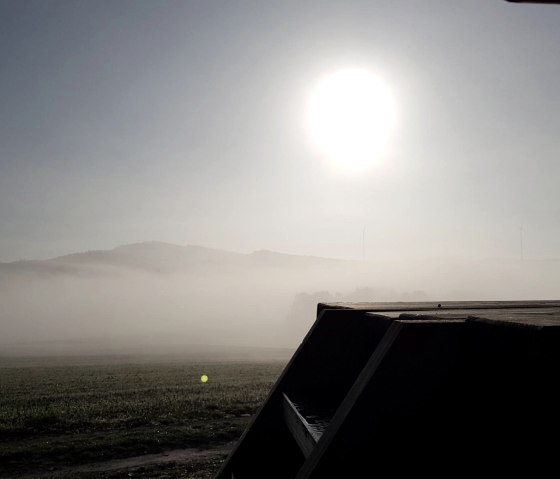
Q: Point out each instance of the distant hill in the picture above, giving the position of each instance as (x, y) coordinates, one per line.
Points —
(155, 257)
(163, 296)
(138, 292)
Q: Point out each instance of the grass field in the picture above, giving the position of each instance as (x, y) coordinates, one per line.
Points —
(59, 414)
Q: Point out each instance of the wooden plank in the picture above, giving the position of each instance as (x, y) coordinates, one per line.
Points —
(265, 418)
(544, 2)
(333, 360)
(259, 446)
(435, 306)
(533, 317)
(318, 417)
(403, 369)
(363, 380)
(304, 435)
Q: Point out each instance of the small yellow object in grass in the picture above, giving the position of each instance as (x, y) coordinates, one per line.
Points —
(204, 378)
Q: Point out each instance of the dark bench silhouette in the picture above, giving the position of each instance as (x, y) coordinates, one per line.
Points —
(411, 388)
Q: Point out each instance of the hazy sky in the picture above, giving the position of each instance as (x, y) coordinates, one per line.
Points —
(184, 121)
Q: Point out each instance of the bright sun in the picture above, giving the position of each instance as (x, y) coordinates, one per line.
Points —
(350, 116)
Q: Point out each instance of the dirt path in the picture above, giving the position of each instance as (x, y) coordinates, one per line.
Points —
(176, 455)
(173, 456)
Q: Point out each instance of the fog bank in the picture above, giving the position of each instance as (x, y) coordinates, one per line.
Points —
(156, 296)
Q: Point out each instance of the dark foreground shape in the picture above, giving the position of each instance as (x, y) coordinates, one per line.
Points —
(392, 388)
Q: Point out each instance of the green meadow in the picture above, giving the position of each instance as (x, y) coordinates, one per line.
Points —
(68, 417)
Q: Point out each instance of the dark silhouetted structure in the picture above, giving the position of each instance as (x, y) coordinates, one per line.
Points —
(392, 388)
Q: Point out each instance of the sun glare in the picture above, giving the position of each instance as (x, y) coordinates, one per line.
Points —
(350, 116)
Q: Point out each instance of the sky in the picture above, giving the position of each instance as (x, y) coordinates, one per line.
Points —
(184, 121)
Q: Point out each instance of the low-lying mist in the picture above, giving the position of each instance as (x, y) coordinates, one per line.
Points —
(159, 297)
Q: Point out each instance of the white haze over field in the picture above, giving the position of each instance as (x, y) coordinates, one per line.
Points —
(162, 297)
(199, 122)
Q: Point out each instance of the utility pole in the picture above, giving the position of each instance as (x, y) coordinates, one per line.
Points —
(521, 242)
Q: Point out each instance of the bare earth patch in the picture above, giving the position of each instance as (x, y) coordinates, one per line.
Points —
(189, 462)
(177, 455)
